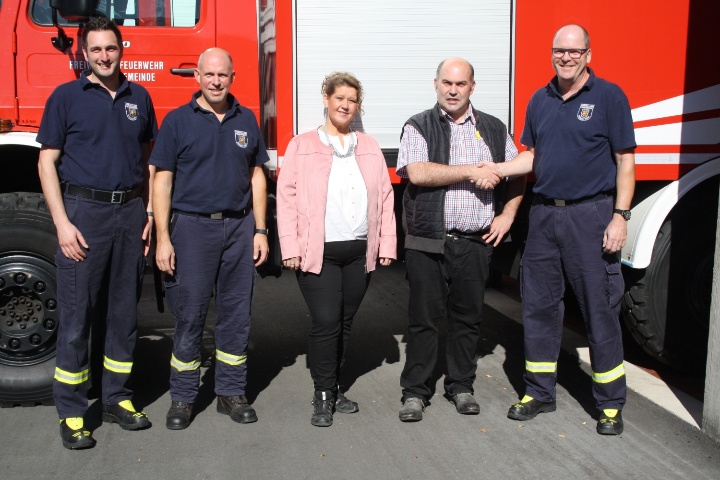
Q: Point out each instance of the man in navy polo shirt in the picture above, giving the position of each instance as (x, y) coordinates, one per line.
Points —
(580, 139)
(95, 135)
(210, 200)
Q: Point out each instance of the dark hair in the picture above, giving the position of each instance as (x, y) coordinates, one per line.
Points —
(100, 24)
(339, 79)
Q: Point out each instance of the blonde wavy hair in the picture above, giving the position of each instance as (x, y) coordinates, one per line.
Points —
(339, 79)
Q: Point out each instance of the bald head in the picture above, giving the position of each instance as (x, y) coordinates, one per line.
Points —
(570, 57)
(572, 31)
(215, 74)
(215, 52)
(454, 83)
(454, 62)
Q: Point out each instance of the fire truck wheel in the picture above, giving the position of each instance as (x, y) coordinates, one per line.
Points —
(666, 307)
(28, 302)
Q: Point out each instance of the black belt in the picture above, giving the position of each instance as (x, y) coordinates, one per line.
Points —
(563, 203)
(117, 196)
(216, 215)
(474, 236)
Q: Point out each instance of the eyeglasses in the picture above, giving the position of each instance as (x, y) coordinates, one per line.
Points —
(574, 53)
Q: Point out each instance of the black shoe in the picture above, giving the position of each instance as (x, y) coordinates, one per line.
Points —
(323, 402)
(344, 404)
(73, 436)
(124, 414)
(237, 407)
(528, 408)
(465, 404)
(610, 422)
(412, 410)
(179, 415)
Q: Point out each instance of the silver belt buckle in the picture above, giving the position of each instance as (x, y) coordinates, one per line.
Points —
(558, 202)
(216, 216)
(117, 197)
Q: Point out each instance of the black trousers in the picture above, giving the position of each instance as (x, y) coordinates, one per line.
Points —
(452, 285)
(333, 298)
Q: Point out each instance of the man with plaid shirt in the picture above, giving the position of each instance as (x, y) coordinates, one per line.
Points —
(448, 154)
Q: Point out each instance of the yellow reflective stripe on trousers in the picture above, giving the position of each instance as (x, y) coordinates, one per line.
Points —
(607, 377)
(117, 367)
(540, 367)
(229, 358)
(71, 378)
(184, 366)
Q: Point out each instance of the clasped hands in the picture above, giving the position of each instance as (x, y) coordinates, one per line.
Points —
(485, 175)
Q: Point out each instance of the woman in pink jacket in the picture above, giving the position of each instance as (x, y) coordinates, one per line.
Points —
(335, 220)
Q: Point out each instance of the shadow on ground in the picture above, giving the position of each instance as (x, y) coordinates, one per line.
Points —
(278, 339)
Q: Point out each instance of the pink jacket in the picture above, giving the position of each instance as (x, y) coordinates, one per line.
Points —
(302, 195)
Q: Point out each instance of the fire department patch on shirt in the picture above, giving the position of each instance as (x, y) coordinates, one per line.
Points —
(131, 111)
(241, 138)
(585, 112)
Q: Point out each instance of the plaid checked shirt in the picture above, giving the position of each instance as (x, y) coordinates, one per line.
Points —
(467, 208)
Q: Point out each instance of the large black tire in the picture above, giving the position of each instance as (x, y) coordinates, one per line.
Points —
(28, 300)
(666, 307)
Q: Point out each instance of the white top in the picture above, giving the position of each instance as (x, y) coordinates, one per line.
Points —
(346, 208)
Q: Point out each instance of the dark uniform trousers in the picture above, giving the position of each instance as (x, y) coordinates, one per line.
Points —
(210, 254)
(114, 263)
(451, 284)
(566, 242)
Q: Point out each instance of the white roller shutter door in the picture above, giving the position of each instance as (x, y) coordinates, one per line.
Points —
(394, 47)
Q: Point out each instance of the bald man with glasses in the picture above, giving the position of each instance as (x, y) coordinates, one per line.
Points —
(580, 139)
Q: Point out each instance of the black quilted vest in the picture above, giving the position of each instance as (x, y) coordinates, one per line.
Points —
(423, 216)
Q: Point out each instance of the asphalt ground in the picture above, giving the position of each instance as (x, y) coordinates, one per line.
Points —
(372, 443)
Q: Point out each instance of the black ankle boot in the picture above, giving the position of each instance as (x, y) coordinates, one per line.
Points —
(344, 404)
(323, 402)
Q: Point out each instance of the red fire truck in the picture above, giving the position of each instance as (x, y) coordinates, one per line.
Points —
(665, 59)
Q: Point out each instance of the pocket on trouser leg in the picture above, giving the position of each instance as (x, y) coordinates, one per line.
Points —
(142, 265)
(172, 294)
(520, 277)
(66, 284)
(614, 284)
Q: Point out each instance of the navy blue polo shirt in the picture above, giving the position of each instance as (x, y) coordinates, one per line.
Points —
(575, 140)
(100, 137)
(211, 160)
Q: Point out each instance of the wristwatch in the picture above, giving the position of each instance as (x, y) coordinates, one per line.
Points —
(626, 214)
(262, 231)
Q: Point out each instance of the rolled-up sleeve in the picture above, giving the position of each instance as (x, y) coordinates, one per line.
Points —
(413, 148)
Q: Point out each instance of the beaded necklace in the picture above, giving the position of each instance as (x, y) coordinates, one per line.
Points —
(351, 149)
